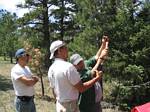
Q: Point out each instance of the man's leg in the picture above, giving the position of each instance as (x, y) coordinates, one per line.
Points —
(24, 106)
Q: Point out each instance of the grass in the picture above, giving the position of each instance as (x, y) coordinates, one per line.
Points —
(43, 104)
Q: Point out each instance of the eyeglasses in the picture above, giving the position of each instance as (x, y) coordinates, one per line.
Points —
(27, 55)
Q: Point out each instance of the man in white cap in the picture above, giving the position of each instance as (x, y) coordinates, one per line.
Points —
(65, 80)
(23, 82)
(89, 101)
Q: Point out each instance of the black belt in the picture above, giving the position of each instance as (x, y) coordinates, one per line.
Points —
(25, 98)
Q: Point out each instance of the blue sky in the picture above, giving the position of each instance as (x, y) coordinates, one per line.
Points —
(10, 5)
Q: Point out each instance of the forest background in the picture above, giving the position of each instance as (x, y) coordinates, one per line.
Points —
(81, 24)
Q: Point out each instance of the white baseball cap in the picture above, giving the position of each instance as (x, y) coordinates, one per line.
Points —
(75, 59)
(54, 46)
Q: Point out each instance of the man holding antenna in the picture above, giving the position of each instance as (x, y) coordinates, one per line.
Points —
(89, 101)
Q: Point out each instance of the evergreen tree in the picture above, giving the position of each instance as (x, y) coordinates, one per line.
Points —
(126, 25)
(63, 14)
(8, 34)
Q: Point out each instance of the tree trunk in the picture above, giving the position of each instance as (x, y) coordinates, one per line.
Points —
(4, 56)
(11, 57)
(62, 22)
(42, 84)
(46, 40)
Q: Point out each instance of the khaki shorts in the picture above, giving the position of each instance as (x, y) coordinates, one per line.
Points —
(70, 106)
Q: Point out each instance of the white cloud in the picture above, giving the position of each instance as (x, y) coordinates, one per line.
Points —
(10, 5)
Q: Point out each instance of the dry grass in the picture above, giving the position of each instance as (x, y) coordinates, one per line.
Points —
(6, 90)
(7, 95)
(45, 104)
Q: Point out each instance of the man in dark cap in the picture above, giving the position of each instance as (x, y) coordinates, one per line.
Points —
(23, 83)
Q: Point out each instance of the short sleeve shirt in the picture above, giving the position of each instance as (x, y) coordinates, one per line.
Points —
(88, 96)
(63, 76)
(20, 88)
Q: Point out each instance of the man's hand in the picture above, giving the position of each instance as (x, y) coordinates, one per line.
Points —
(96, 74)
(105, 42)
(35, 78)
(105, 39)
(104, 53)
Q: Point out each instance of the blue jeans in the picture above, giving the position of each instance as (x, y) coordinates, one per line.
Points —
(23, 106)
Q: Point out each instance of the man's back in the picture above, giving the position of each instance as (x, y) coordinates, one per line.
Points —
(63, 76)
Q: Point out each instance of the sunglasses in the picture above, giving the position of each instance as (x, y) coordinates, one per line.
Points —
(26, 55)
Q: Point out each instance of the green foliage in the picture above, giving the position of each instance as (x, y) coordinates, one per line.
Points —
(83, 47)
(134, 73)
(32, 24)
(83, 23)
(63, 14)
(133, 51)
(8, 33)
(48, 20)
(141, 38)
(129, 44)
